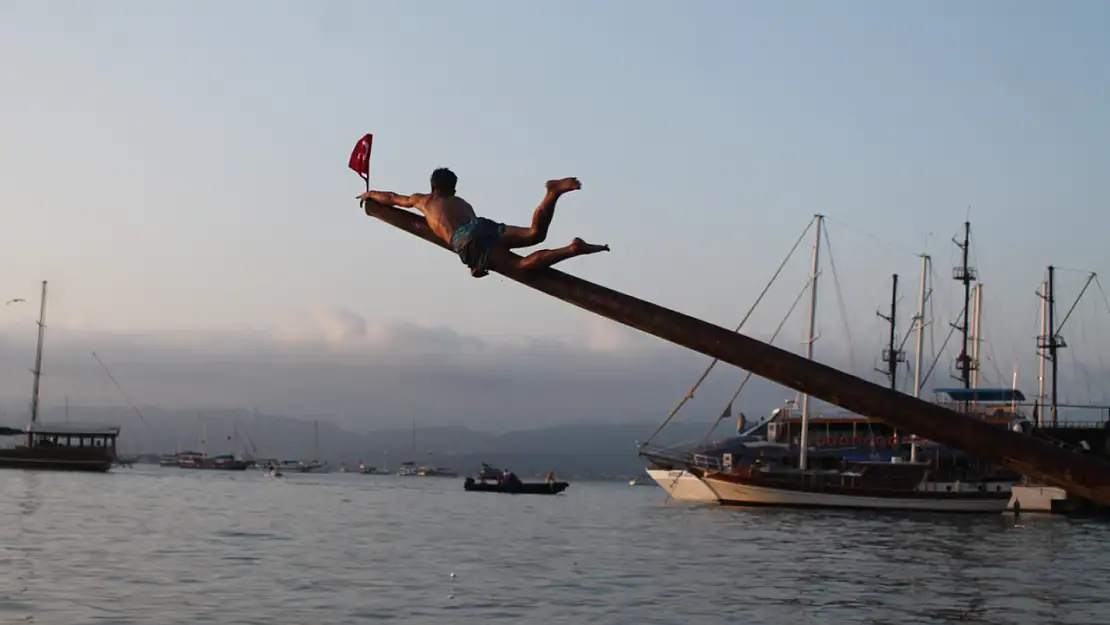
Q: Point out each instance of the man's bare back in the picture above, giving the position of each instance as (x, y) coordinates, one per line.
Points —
(478, 240)
(445, 215)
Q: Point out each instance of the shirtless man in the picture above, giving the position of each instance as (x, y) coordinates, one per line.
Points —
(478, 240)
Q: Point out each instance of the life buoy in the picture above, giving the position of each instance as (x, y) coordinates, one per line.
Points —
(820, 441)
(844, 441)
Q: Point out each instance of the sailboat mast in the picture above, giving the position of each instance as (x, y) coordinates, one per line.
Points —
(966, 275)
(804, 439)
(38, 357)
(920, 326)
(316, 444)
(1042, 354)
(917, 357)
(977, 325)
(892, 355)
(1054, 344)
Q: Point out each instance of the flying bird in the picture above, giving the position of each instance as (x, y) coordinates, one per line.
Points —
(15, 301)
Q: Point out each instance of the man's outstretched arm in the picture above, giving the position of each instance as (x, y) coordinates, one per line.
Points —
(388, 198)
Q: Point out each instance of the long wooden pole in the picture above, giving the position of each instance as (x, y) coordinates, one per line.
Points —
(1082, 475)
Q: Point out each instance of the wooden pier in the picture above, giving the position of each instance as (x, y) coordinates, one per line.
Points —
(1081, 475)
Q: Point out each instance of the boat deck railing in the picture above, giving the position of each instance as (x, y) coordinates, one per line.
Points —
(710, 463)
(666, 454)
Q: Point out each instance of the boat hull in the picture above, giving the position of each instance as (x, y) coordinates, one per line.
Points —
(314, 469)
(36, 460)
(683, 485)
(542, 488)
(737, 493)
(229, 466)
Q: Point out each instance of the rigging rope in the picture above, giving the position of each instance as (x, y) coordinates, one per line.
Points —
(941, 353)
(1105, 301)
(840, 303)
(904, 249)
(1076, 302)
(728, 407)
(690, 394)
(120, 388)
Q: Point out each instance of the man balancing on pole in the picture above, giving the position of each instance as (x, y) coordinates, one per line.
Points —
(478, 240)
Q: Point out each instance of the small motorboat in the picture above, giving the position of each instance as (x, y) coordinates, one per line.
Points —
(517, 488)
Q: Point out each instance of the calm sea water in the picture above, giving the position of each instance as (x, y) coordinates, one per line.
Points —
(165, 546)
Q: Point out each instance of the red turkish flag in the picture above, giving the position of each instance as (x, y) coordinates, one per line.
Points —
(360, 157)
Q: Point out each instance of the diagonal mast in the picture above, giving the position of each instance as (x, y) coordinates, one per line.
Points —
(38, 357)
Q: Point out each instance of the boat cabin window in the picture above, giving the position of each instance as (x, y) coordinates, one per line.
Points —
(44, 439)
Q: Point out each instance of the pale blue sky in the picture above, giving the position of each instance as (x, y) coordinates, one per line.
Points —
(172, 165)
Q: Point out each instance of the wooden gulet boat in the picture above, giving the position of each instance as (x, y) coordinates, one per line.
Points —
(860, 485)
(891, 484)
(63, 446)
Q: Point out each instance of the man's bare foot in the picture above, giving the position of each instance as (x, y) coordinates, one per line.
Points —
(580, 247)
(563, 186)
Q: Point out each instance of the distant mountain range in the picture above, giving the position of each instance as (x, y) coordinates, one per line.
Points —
(570, 449)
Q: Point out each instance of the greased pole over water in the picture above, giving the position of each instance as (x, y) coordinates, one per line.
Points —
(1081, 475)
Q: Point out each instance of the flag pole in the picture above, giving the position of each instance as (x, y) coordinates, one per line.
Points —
(368, 144)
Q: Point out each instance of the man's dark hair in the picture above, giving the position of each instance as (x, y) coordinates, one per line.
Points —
(444, 181)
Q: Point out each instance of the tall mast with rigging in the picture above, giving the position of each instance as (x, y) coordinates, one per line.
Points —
(977, 332)
(966, 275)
(920, 348)
(892, 356)
(1052, 342)
(1055, 341)
(803, 441)
(1041, 353)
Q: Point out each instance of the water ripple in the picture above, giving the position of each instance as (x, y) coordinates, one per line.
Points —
(169, 546)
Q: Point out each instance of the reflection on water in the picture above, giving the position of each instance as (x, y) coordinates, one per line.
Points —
(166, 546)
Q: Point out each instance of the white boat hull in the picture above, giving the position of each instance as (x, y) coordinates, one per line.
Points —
(732, 493)
(683, 485)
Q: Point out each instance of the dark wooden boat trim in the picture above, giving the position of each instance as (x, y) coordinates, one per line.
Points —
(788, 482)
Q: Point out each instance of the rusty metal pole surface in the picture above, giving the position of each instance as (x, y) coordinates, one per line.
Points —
(1085, 476)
